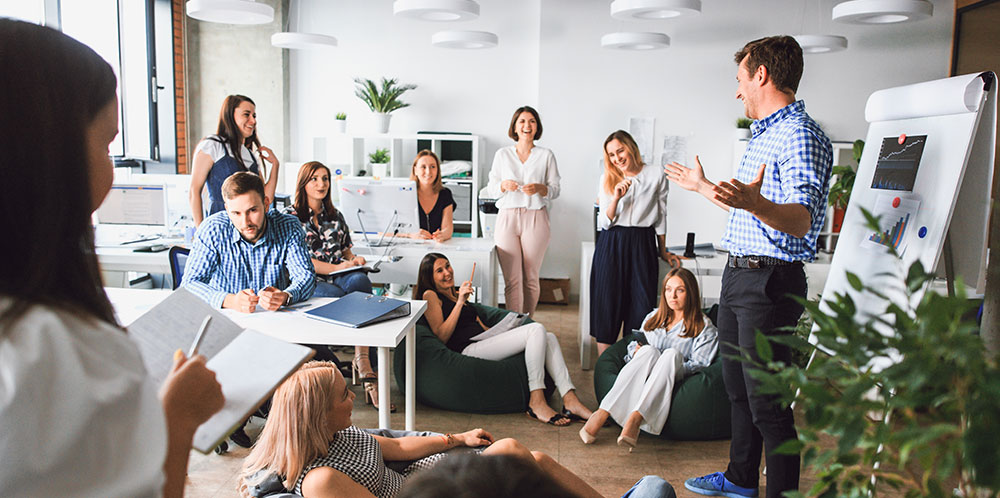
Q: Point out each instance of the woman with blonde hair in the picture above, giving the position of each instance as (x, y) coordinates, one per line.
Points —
(633, 224)
(434, 200)
(680, 341)
(310, 442)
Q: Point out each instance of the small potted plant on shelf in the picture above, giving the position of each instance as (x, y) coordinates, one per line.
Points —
(379, 161)
(341, 122)
(382, 99)
(840, 191)
(743, 128)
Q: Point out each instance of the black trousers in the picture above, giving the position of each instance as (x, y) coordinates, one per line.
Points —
(622, 281)
(758, 299)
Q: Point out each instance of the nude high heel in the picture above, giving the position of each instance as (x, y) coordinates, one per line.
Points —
(624, 440)
(361, 367)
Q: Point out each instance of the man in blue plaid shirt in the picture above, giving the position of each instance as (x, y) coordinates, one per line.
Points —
(246, 256)
(776, 209)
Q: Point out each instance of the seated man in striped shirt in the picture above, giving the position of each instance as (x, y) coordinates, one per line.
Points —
(247, 256)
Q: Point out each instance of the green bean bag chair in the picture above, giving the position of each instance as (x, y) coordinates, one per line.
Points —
(452, 381)
(700, 408)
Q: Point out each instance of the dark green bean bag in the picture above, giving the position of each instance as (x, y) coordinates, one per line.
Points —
(700, 407)
(451, 381)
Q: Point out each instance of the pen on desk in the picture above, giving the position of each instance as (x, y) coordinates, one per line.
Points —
(201, 335)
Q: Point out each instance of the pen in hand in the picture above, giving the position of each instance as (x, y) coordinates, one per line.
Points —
(198, 338)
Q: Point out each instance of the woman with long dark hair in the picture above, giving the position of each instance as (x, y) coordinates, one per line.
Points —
(455, 323)
(681, 341)
(230, 150)
(328, 239)
(80, 416)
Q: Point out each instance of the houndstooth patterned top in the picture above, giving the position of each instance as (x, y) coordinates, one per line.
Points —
(357, 454)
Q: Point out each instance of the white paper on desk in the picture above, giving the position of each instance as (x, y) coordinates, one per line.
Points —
(510, 321)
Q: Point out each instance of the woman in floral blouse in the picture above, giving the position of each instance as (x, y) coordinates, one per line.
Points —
(328, 239)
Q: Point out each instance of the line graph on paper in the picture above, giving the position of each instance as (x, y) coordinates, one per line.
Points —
(897, 164)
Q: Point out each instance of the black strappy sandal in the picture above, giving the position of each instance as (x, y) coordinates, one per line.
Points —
(558, 417)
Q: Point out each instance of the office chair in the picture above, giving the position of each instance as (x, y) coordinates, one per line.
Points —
(178, 258)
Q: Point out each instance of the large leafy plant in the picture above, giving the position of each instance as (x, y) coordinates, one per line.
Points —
(383, 98)
(926, 423)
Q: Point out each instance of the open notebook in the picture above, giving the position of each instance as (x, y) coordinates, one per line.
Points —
(248, 364)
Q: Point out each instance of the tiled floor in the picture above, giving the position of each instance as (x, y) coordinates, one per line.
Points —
(607, 467)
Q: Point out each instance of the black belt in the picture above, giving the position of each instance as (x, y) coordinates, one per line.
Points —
(755, 262)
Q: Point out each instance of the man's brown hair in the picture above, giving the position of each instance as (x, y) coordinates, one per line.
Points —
(241, 183)
(781, 55)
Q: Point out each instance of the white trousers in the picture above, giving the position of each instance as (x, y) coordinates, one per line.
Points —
(645, 385)
(541, 353)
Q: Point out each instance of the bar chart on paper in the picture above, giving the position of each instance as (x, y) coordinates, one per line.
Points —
(894, 236)
(895, 214)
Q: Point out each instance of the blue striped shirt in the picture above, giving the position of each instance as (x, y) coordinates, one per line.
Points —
(222, 262)
(799, 161)
(698, 351)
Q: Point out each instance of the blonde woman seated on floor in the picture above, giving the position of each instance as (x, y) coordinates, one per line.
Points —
(681, 341)
(309, 441)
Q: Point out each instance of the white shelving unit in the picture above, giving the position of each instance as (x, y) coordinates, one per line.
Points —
(350, 155)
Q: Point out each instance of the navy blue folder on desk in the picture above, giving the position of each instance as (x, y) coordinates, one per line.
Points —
(359, 309)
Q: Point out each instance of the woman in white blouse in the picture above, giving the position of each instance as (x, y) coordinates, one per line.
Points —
(79, 414)
(524, 180)
(633, 224)
(681, 341)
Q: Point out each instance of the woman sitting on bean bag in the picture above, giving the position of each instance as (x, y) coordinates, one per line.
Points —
(681, 341)
(455, 324)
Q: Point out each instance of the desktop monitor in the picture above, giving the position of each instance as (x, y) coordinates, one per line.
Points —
(386, 205)
(134, 204)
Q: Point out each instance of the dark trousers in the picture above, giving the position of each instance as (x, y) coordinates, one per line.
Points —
(622, 281)
(758, 299)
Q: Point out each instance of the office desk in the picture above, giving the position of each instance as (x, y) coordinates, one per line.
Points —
(709, 273)
(293, 326)
(461, 252)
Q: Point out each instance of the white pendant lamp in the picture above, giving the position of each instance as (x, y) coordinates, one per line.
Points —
(653, 9)
(821, 44)
(630, 40)
(302, 41)
(882, 11)
(464, 39)
(436, 10)
(230, 11)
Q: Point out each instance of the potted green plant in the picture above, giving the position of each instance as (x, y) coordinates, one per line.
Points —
(843, 184)
(923, 424)
(379, 161)
(382, 99)
(341, 122)
(743, 128)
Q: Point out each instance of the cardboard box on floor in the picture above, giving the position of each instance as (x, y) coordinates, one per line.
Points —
(554, 291)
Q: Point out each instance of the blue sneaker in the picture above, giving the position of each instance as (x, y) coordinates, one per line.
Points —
(717, 485)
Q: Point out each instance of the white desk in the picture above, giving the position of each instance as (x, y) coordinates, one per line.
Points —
(461, 252)
(709, 272)
(292, 326)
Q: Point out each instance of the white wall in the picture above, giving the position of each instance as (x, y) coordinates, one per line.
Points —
(550, 56)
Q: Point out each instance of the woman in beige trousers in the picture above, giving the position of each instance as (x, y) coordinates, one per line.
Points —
(524, 179)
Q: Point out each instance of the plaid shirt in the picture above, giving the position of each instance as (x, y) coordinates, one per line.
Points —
(698, 351)
(799, 161)
(222, 262)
